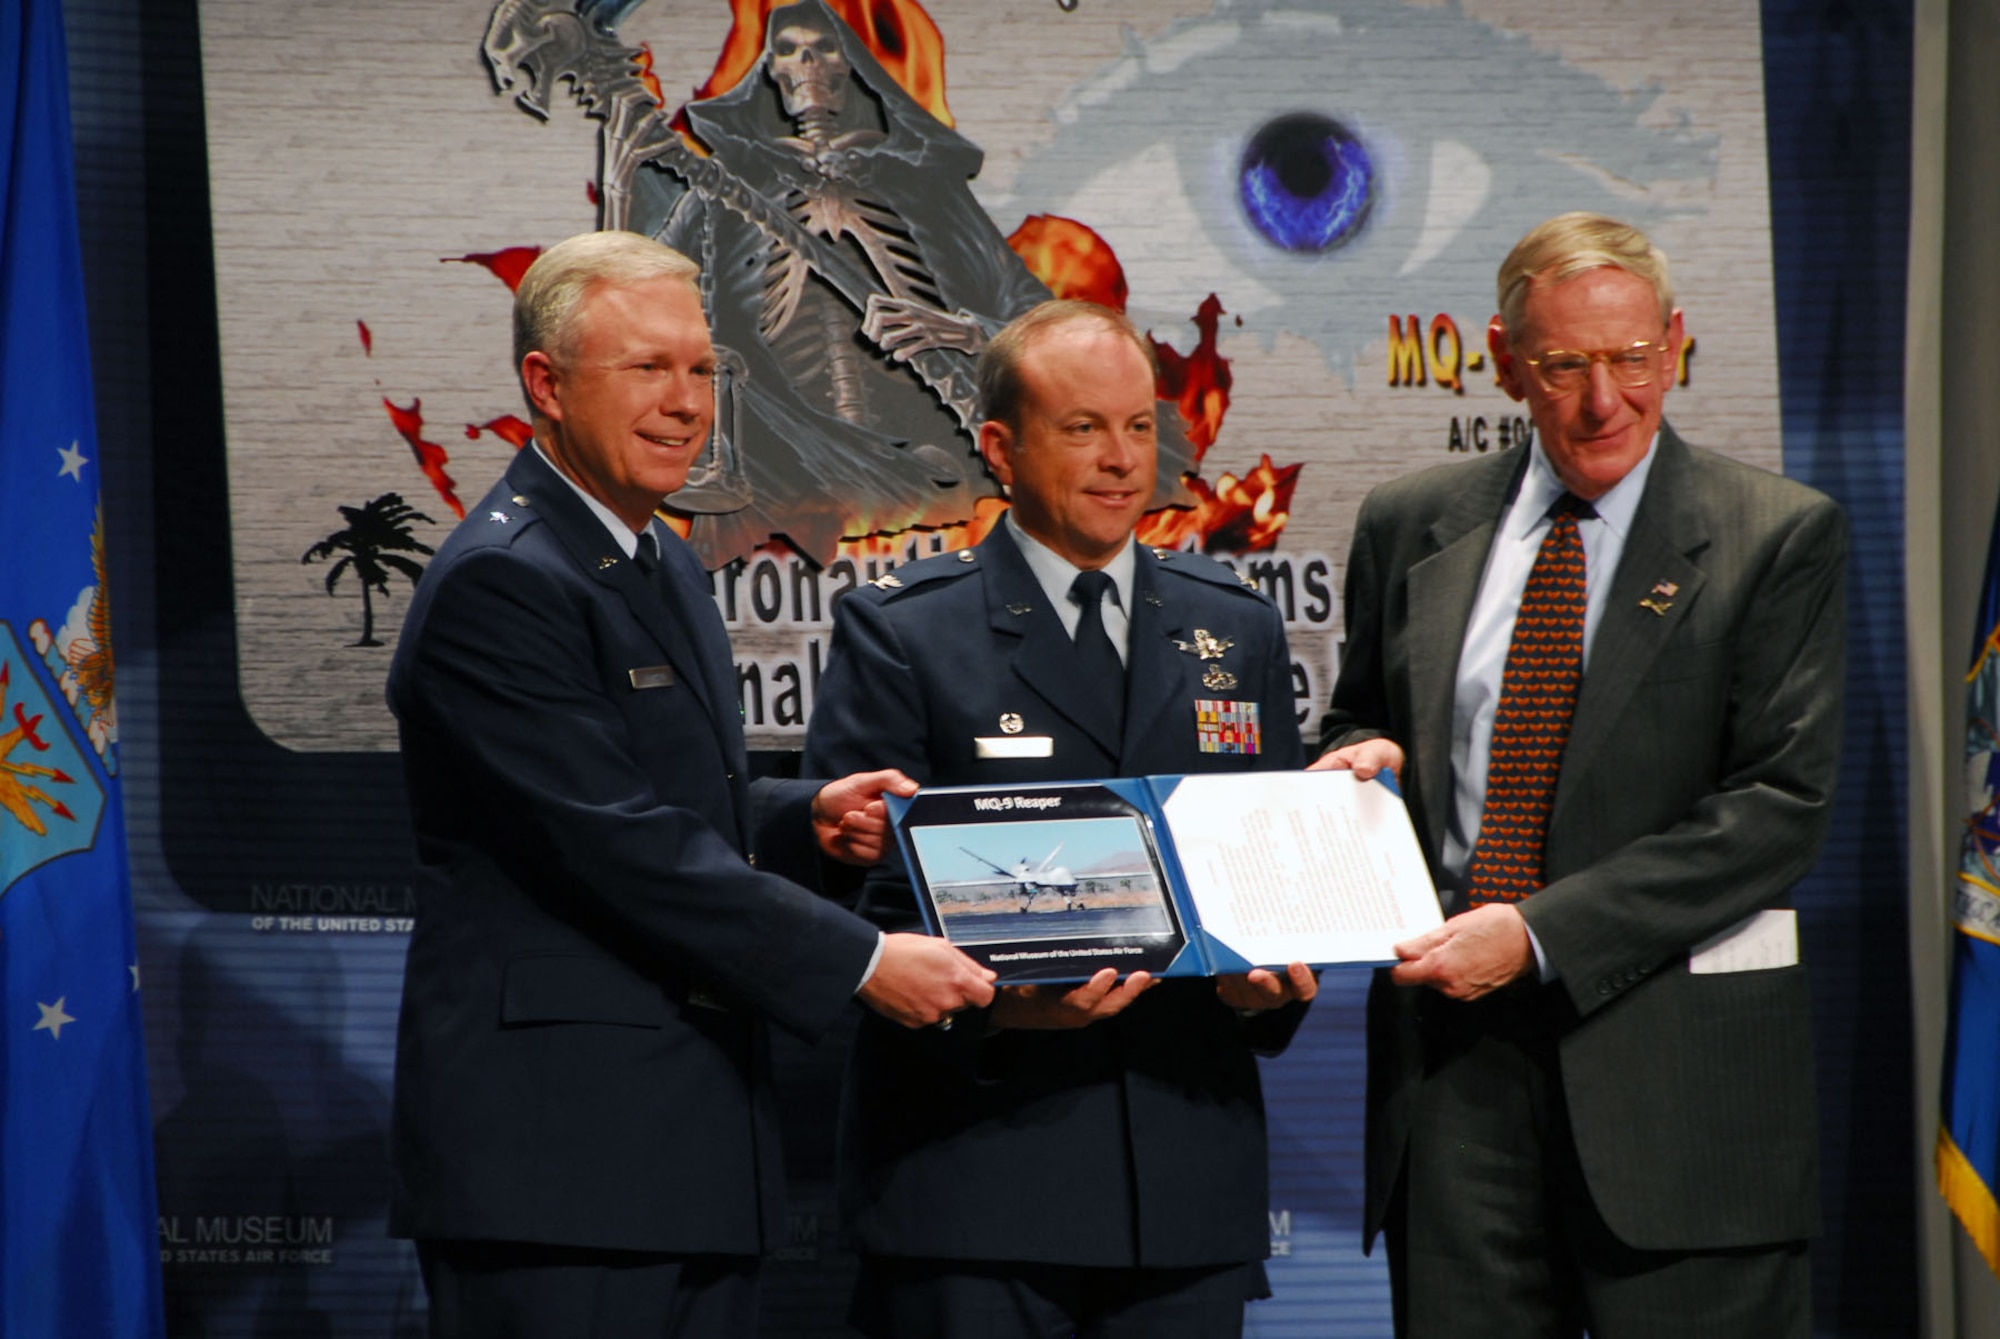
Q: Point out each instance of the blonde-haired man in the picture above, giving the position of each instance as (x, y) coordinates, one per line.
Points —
(584, 1139)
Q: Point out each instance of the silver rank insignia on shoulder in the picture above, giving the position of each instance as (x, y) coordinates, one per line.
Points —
(1217, 679)
(1205, 644)
(887, 581)
(1010, 722)
(1243, 580)
(499, 516)
(1163, 554)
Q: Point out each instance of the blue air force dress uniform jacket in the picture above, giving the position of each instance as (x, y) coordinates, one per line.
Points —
(1134, 1142)
(581, 1058)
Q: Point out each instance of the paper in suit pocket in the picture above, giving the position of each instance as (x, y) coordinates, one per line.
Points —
(1758, 943)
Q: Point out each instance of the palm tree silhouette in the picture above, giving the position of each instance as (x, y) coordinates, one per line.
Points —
(376, 537)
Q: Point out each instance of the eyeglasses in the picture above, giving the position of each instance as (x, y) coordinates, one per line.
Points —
(1566, 370)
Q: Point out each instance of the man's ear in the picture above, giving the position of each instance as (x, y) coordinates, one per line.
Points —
(540, 379)
(1676, 338)
(1506, 368)
(996, 442)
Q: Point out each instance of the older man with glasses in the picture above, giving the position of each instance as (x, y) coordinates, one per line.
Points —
(1608, 669)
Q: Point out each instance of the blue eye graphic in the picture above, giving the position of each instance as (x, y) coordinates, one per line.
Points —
(1306, 182)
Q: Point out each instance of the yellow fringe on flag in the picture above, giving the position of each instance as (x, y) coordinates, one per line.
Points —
(1970, 1198)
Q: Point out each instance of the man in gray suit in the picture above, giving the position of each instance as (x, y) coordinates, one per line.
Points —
(1590, 1091)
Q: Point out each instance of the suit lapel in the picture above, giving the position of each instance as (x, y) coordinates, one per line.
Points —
(1045, 659)
(1442, 588)
(1154, 675)
(1667, 531)
(593, 550)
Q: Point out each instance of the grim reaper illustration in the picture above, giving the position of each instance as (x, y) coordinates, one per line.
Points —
(836, 432)
(850, 277)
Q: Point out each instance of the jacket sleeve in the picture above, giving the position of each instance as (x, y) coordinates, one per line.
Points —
(526, 757)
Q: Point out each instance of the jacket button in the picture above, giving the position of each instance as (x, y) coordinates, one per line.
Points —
(1604, 987)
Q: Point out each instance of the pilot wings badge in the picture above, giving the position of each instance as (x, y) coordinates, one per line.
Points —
(1205, 644)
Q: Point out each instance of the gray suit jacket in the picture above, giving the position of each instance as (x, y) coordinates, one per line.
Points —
(1695, 790)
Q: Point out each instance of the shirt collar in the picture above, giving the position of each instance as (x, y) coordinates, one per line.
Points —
(1540, 488)
(1054, 573)
(626, 537)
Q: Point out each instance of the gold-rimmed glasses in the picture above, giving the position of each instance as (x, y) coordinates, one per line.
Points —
(1564, 371)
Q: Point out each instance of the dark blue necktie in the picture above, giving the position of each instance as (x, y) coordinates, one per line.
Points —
(1097, 659)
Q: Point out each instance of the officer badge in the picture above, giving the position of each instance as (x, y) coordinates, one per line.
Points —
(1217, 679)
(1206, 645)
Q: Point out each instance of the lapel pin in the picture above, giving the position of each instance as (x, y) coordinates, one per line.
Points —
(1019, 609)
(605, 562)
(1666, 590)
(1154, 600)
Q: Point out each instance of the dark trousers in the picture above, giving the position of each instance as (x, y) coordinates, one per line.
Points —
(511, 1290)
(1492, 1230)
(898, 1298)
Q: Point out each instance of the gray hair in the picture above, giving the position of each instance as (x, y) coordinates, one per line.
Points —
(546, 303)
(1570, 244)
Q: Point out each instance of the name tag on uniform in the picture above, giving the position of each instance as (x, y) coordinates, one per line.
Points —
(1222, 725)
(1014, 746)
(652, 676)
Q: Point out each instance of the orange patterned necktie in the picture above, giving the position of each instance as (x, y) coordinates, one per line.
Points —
(1531, 725)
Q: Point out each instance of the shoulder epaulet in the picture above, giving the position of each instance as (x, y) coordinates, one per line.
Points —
(1200, 567)
(924, 571)
(500, 518)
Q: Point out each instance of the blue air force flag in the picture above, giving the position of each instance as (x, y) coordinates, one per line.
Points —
(78, 1253)
(1968, 1146)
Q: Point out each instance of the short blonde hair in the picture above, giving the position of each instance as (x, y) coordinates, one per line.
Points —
(1570, 244)
(546, 303)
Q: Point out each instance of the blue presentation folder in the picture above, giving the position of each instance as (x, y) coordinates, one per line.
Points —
(1052, 882)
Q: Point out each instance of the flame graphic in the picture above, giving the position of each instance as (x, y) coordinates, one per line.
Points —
(1236, 516)
(431, 457)
(507, 265)
(900, 34)
(1198, 382)
(1071, 259)
(986, 514)
(507, 428)
(643, 67)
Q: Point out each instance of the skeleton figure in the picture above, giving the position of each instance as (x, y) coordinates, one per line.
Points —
(836, 436)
